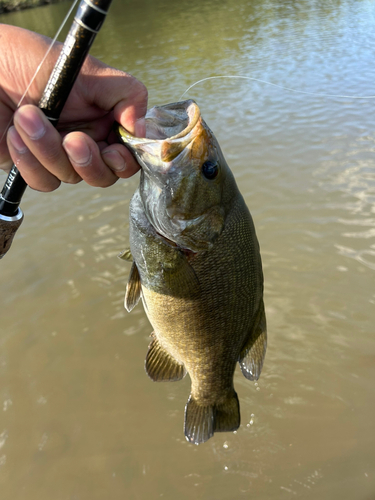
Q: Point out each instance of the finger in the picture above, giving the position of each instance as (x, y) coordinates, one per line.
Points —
(120, 160)
(127, 95)
(85, 157)
(34, 174)
(98, 129)
(44, 142)
(129, 118)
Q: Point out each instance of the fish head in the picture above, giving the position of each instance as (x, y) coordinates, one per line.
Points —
(186, 186)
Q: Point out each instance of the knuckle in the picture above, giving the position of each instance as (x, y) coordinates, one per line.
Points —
(51, 153)
(101, 181)
(143, 92)
(108, 183)
(142, 97)
(72, 179)
(44, 186)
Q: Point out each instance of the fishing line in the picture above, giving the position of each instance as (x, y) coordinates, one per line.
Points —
(317, 94)
(53, 41)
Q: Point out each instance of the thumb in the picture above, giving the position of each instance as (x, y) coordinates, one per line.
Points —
(109, 88)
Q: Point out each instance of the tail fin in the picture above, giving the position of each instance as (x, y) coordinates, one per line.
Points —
(199, 422)
(227, 416)
(202, 421)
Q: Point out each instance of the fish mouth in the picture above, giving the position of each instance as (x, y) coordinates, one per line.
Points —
(169, 130)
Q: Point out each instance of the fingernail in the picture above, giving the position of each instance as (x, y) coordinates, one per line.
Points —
(78, 151)
(30, 121)
(16, 141)
(140, 128)
(114, 160)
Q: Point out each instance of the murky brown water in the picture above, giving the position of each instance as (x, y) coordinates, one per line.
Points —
(79, 418)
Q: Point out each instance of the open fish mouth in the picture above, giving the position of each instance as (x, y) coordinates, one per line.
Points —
(169, 130)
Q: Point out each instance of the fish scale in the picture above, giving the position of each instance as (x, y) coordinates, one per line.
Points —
(197, 267)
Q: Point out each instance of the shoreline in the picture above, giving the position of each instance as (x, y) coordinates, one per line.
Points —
(14, 5)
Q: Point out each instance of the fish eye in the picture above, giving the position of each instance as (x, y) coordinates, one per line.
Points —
(210, 169)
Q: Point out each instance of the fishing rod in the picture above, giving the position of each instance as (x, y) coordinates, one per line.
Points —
(87, 22)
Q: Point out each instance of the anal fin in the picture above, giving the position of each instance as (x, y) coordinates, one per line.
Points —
(161, 366)
(133, 288)
(253, 353)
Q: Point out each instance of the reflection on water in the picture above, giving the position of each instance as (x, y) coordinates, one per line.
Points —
(79, 418)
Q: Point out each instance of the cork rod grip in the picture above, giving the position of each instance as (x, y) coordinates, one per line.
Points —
(8, 228)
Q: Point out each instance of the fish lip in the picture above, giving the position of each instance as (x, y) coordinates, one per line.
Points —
(168, 147)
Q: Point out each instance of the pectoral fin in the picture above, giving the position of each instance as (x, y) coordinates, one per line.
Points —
(181, 279)
(254, 351)
(126, 255)
(133, 289)
(161, 366)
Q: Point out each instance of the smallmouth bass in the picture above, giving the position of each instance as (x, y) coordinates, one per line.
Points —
(196, 265)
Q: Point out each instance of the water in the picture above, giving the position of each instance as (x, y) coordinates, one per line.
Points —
(79, 418)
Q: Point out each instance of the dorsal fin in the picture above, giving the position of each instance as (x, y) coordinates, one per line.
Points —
(133, 288)
(254, 351)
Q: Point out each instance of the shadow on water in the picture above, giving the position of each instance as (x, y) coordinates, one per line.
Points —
(79, 418)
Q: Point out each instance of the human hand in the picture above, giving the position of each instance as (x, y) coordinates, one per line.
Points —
(82, 146)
